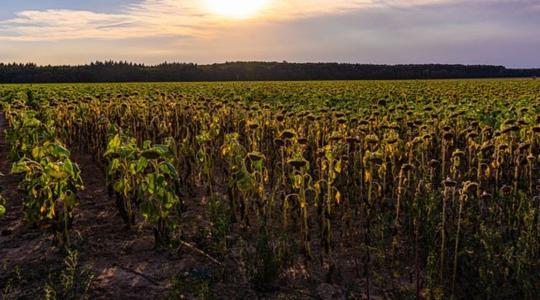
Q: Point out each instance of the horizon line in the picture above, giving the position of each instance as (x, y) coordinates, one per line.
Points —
(165, 62)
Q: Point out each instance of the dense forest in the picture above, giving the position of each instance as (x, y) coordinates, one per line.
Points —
(111, 71)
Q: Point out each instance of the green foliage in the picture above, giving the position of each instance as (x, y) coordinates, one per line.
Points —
(51, 180)
(145, 179)
(430, 187)
(26, 130)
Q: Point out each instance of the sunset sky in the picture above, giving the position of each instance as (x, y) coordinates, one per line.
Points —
(505, 32)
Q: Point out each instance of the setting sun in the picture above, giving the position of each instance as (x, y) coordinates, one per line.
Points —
(276, 149)
(238, 9)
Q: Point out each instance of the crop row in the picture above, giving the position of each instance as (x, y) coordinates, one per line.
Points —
(435, 182)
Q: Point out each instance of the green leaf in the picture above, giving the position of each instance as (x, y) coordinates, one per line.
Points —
(20, 167)
(31, 122)
(68, 168)
(337, 166)
(133, 168)
(36, 152)
(118, 186)
(259, 164)
(142, 163)
(147, 144)
(57, 150)
(2, 211)
(171, 200)
(113, 145)
(114, 165)
(54, 171)
(168, 168)
(162, 149)
(151, 180)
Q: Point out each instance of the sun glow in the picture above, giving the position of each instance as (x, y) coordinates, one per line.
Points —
(237, 9)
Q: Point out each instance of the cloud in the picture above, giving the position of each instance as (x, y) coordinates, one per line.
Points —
(60, 24)
(379, 31)
(149, 18)
(155, 18)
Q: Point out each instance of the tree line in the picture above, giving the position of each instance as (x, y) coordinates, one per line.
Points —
(111, 71)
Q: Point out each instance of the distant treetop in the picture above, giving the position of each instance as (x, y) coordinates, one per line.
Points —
(111, 71)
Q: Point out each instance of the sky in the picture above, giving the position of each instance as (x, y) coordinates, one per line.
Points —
(499, 32)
